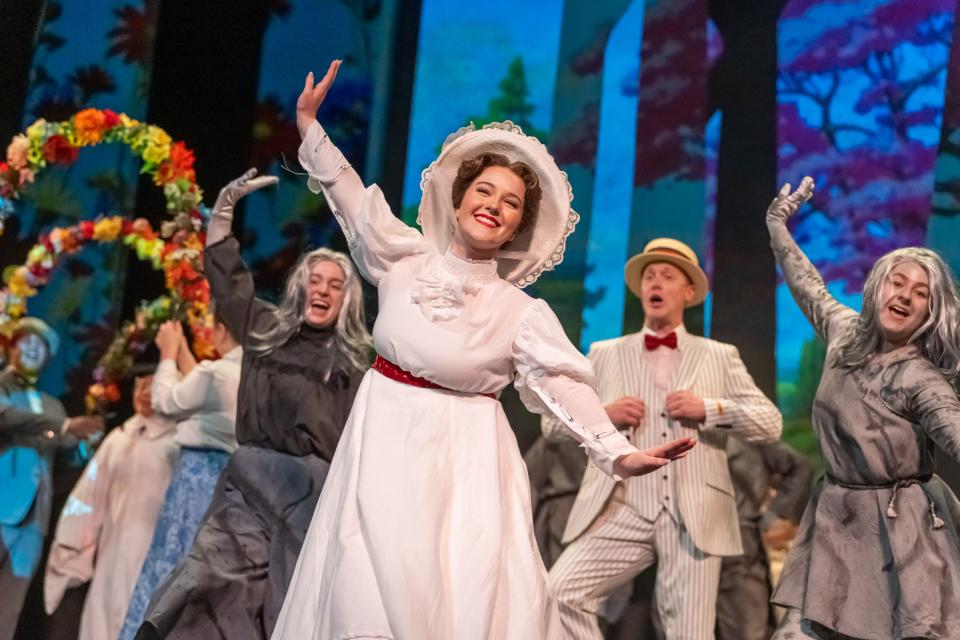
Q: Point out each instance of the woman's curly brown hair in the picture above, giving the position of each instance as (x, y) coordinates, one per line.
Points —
(473, 167)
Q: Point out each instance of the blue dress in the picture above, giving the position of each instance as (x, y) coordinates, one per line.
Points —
(184, 506)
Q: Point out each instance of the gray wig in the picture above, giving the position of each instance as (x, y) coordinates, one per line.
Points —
(352, 339)
(938, 338)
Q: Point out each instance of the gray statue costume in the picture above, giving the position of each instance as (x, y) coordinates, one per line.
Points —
(878, 551)
(28, 445)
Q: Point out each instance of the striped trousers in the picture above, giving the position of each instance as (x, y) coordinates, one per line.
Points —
(617, 547)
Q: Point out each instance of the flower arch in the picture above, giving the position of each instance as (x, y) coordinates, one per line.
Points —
(177, 249)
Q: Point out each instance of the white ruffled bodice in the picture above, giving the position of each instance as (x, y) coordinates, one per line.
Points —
(442, 294)
(456, 322)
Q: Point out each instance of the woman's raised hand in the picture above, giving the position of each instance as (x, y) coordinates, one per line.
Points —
(247, 183)
(786, 204)
(312, 97)
(648, 460)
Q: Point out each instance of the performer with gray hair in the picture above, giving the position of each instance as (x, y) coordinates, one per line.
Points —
(877, 553)
(302, 364)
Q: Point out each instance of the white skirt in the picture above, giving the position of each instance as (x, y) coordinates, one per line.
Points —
(423, 530)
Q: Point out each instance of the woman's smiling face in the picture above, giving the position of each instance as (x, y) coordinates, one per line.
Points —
(491, 211)
(904, 302)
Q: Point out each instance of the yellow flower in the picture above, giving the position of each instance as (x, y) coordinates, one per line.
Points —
(157, 136)
(90, 401)
(19, 285)
(128, 122)
(35, 158)
(37, 130)
(156, 154)
(197, 315)
(16, 308)
(107, 229)
(37, 255)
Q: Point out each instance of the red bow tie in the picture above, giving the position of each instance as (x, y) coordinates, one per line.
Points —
(652, 341)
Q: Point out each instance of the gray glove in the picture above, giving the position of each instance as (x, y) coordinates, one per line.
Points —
(221, 216)
(786, 204)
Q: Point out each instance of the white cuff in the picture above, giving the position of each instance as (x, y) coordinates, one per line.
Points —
(718, 414)
(605, 447)
(321, 158)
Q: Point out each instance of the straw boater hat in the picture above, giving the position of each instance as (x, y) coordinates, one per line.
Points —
(673, 252)
(539, 248)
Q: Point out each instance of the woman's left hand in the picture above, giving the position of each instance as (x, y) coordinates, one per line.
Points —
(236, 189)
(786, 204)
(648, 460)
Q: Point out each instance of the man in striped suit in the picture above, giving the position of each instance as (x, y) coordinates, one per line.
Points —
(662, 383)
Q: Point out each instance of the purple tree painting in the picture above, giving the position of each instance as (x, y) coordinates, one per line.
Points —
(861, 96)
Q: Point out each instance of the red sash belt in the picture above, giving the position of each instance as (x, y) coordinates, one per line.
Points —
(394, 372)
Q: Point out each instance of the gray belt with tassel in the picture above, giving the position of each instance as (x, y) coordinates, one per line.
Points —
(896, 486)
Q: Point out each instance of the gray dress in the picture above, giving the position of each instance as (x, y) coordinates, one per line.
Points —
(289, 417)
(877, 555)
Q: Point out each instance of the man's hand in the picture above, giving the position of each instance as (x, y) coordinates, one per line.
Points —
(84, 426)
(648, 460)
(626, 412)
(684, 405)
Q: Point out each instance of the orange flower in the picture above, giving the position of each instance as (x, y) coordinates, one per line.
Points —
(179, 271)
(165, 173)
(193, 241)
(89, 126)
(112, 392)
(182, 158)
(178, 165)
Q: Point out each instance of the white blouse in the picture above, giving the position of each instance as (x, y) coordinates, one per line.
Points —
(203, 402)
(456, 322)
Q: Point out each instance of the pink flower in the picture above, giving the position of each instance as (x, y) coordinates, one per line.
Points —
(17, 151)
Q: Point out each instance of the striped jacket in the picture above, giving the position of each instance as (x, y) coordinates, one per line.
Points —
(702, 488)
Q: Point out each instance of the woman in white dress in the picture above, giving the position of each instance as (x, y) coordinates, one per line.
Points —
(423, 530)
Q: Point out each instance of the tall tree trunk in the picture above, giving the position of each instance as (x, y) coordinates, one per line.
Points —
(20, 22)
(203, 90)
(744, 88)
(392, 155)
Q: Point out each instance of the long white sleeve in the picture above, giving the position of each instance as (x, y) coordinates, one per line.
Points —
(376, 237)
(553, 377)
(334, 176)
(73, 551)
(178, 397)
